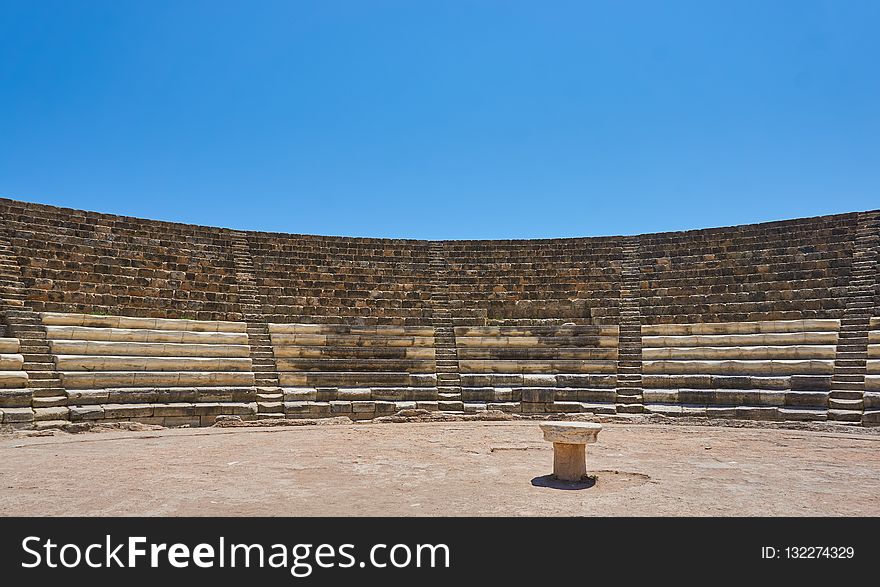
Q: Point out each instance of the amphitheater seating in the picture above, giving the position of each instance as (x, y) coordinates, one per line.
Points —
(359, 371)
(573, 279)
(793, 269)
(872, 377)
(305, 279)
(98, 263)
(15, 398)
(759, 370)
(534, 369)
(117, 367)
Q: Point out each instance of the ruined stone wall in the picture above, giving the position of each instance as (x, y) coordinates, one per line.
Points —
(767, 321)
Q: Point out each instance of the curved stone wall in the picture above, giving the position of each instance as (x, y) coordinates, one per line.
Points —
(121, 318)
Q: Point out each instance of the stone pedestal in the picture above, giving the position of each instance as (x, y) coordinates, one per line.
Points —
(570, 441)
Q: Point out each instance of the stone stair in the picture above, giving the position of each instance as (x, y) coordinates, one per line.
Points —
(270, 398)
(446, 355)
(48, 396)
(846, 401)
(629, 357)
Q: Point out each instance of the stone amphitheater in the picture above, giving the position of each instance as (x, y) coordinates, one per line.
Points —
(736, 370)
(112, 319)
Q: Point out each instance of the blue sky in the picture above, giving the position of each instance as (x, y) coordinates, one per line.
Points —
(453, 119)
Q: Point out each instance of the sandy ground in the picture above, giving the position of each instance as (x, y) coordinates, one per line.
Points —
(430, 469)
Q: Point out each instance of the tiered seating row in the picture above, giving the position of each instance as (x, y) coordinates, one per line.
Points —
(322, 280)
(574, 279)
(152, 369)
(85, 262)
(359, 371)
(15, 398)
(757, 370)
(537, 369)
(872, 378)
(781, 270)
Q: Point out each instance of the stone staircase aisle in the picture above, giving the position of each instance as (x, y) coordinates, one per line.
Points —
(270, 398)
(629, 353)
(48, 396)
(446, 355)
(846, 401)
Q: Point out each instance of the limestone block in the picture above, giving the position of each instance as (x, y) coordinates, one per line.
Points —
(325, 394)
(725, 340)
(389, 393)
(677, 381)
(431, 406)
(663, 409)
(660, 396)
(533, 380)
(734, 397)
(11, 361)
(301, 394)
(810, 383)
(359, 407)
(507, 407)
(450, 405)
(405, 406)
(507, 394)
(186, 410)
(319, 409)
(86, 380)
(473, 407)
(351, 329)
(593, 381)
(354, 394)
(757, 413)
(802, 414)
(99, 363)
(51, 413)
(874, 350)
(147, 349)
(731, 367)
(80, 413)
(15, 398)
(385, 408)
(753, 327)
(128, 410)
(340, 407)
(13, 379)
(873, 367)
(477, 394)
(132, 396)
(872, 383)
(297, 408)
(9, 345)
(538, 395)
(741, 352)
(90, 320)
(88, 396)
(566, 406)
(721, 412)
(566, 394)
(807, 399)
(132, 335)
(872, 399)
(596, 395)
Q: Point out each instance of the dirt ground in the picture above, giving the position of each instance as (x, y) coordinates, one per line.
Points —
(433, 469)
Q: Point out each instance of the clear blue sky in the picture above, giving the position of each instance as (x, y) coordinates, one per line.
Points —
(447, 119)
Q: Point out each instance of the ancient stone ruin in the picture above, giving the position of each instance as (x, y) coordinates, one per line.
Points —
(109, 318)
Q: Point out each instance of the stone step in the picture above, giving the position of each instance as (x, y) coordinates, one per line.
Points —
(840, 393)
(845, 404)
(845, 415)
